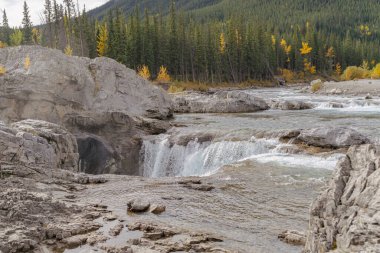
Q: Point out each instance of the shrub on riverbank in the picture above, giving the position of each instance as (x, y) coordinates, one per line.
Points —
(353, 72)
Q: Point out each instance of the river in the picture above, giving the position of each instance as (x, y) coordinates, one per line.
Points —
(263, 185)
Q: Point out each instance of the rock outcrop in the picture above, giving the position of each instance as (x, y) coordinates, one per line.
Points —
(104, 104)
(335, 137)
(33, 147)
(346, 217)
(219, 102)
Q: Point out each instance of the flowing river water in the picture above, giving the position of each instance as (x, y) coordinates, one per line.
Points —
(252, 136)
(263, 186)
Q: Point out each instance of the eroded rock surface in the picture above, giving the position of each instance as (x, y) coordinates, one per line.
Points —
(290, 105)
(98, 100)
(34, 147)
(338, 137)
(346, 217)
(219, 102)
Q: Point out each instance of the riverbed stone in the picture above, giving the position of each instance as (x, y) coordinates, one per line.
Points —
(138, 205)
(332, 137)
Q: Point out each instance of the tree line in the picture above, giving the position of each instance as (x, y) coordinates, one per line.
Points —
(213, 50)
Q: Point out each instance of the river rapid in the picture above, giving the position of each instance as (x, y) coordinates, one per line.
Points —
(262, 185)
(272, 182)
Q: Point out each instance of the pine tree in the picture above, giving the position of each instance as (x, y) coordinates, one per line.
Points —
(48, 12)
(27, 26)
(6, 31)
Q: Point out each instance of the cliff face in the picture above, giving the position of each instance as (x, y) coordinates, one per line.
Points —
(104, 104)
(346, 217)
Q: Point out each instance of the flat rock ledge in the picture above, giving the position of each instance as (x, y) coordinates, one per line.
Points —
(346, 217)
(218, 102)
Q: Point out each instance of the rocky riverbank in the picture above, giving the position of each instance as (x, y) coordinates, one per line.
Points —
(355, 87)
(99, 115)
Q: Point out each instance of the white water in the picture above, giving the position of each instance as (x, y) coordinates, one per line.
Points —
(160, 159)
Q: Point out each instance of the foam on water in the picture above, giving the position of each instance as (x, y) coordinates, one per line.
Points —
(161, 159)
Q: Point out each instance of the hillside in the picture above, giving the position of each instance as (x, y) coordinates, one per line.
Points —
(336, 16)
(128, 6)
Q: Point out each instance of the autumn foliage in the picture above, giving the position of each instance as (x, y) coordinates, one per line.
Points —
(163, 75)
(144, 72)
(27, 63)
(2, 70)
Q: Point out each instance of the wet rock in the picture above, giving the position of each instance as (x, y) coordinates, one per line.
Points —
(338, 137)
(290, 105)
(75, 241)
(96, 238)
(98, 100)
(138, 205)
(116, 230)
(345, 217)
(368, 97)
(204, 188)
(157, 209)
(110, 217)
(219, 102)
(293, 237)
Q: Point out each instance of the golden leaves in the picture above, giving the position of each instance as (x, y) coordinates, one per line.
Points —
(144, 72)
(306, 49)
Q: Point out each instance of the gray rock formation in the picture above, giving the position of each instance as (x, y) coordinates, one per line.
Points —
(33, 147)
(338, 137)
(219, 102)
(290, 105)
(104, 104)
(346, 217)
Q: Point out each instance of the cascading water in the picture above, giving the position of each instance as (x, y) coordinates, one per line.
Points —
(160, 158)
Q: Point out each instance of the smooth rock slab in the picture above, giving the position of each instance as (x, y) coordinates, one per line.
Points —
(218, 102)
(327, 137)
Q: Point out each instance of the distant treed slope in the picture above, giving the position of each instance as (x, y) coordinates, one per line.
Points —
(153, 5)
(329, 16)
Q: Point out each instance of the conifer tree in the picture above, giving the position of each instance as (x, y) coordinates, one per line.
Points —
(6, 31)
(27, 25)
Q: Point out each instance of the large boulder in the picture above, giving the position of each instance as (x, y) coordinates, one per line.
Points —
(332, 137)
(346, 217)
(105, 105)
(219, 102)
(36, 148)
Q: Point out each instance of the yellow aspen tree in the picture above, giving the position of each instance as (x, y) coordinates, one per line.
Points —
(338, 69)
(27, 62)
(36, 36)
(102, 40)
(68, 50)
(306, 49)
(274, 41)
(3, 45)
(144, 72)
(222, 43)
(163, 75)
(330, 52)
(365, 65)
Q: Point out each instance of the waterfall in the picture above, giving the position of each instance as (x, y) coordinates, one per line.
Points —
(160, 158)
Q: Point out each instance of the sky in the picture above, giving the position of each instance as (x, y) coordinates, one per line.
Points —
(14, 9)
